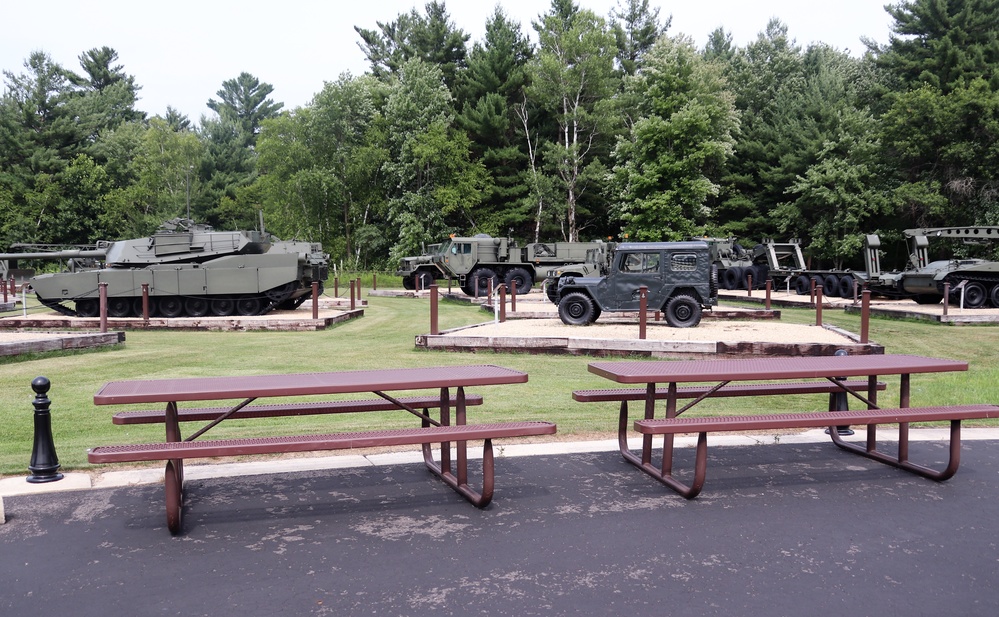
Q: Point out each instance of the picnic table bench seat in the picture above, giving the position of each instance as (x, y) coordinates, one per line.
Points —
(273, 410)
(174, 452)
(870, 417)
(728, 390)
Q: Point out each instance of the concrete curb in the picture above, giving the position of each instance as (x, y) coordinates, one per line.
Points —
(133, 477)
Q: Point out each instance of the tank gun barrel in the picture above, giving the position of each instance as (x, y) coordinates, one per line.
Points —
(66, 254)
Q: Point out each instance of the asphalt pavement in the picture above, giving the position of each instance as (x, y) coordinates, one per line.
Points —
(789, 528)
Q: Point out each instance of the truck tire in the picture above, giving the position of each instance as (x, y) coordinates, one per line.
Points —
(830, 286)
(682, 311)
(803, 285)
(408, 283)
(846, 286)
(424, 280)
(732, 278)
(576, 309)
(551, 290)
(519, 279)
(481, 277)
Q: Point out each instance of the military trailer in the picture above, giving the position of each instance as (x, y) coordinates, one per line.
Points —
(189, 269)
(679, 277)
(481, 261)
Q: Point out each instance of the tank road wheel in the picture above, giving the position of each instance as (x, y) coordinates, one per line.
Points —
(196, 307)
(577, 309)
(682, 311)
(119, 307)
(221, 307)
(974, 295)
(137, 306)
(520, 278)
(248, 306)
(88, 307)
(994, 296)
(170, 306)
(830, 286)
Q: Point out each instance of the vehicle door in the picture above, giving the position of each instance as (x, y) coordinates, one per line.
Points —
(635, 268)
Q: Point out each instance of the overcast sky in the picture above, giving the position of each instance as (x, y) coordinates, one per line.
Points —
(181, 51)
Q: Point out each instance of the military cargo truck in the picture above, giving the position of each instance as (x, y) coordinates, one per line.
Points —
(679, 277)
(480, 261)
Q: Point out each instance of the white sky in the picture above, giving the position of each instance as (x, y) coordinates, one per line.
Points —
(181, 51)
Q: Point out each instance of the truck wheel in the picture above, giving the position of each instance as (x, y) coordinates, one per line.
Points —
(408, 283)
(519, 279)
(682, 311)
(576, 309)
(551, 290)
(761, 272)
(481, 277)
(803, 285)
(731, 278)
(424, 280)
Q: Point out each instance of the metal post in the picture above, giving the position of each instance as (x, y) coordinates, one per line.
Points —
(749, 285)
(102, 291)
(946, 298)
(434, 329)
(766, 303)
(513, 297)
(3, 284)
(818, 305)
(336, 286)
(357, 288)
(315, 299)
(374, 281)
(865, 316)
(351, 294)
(811, 290)
(838, 401)
(145, 302)
(502, 302)
(44, 465)
(489, 296)
(475, 285)
(643, 305)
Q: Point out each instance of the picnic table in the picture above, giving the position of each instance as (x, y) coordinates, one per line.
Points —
(835, 370)
(443, 430)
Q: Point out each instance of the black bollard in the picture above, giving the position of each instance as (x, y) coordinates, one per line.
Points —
(838, 401)
(44, 465)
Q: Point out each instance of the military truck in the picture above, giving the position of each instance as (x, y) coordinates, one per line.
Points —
(481, 261)
(597, 264)
(679, 277)
(974, 280)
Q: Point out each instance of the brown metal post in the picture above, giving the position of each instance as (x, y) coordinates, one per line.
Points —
(357, 288)
(643, 305)
(3, 284)
(513, 298)
(102, 291)
(336, 286)
(374, 281)
(818, 305)
(352, 294)
(766, 303)
(502, 302)
(489, 295)
(315, 299)
(945, 299)
(145, 302)
(749, 285)
(811, 290)
(434, 329)
(865, 316)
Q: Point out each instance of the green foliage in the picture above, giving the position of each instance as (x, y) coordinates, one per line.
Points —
(668, 166)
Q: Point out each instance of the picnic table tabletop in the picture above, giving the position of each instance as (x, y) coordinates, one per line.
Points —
(299, 384)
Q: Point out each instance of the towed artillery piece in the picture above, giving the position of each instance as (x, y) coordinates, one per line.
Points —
(190, 269)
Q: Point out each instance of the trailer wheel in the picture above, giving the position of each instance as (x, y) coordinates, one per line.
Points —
(803, 285)
(576, 309)
(732, 277)
(846, 286)
(830, 285)
(683, 311)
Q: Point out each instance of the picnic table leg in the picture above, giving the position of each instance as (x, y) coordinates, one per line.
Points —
(174, 488)
(459, 479)
(461, 446)
(650, 413)
(172, 423)
(869, 450)
(668, 439)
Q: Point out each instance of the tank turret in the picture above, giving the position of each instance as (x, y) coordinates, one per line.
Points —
(190, 269)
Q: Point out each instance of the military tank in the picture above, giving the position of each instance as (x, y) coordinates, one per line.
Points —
(191, 270)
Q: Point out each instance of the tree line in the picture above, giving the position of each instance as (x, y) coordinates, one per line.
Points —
(603, 128)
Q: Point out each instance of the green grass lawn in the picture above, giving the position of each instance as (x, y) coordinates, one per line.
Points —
(384, 338)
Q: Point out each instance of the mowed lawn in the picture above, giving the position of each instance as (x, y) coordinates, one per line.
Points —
(384, 338)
